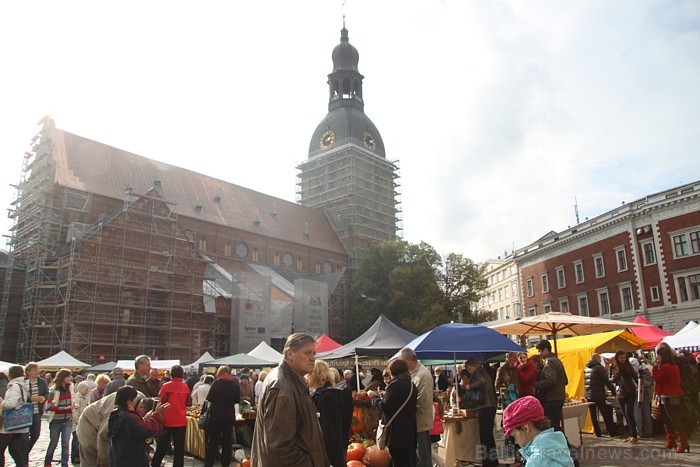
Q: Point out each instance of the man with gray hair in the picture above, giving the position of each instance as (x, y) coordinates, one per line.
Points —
(423, 380)
(287, 430)
(138, 381)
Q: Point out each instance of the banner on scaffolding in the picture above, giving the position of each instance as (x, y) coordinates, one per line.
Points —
(310, 307)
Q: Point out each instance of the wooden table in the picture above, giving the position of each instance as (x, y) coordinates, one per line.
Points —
(461, 439)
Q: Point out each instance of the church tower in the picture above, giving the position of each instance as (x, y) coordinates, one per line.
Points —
(347, 173)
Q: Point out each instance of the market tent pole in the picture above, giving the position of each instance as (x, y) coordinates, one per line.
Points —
(357, 371)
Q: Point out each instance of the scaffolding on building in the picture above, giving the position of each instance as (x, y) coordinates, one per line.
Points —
(359, 191)
(103, 286)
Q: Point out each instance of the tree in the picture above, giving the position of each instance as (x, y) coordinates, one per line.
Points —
(463, 282)
(415, 289)
(398, 279)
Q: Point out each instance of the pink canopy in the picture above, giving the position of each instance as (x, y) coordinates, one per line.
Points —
(325, 343)
(652, 334)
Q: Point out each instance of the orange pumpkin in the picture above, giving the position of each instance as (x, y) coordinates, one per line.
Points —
(356, 452)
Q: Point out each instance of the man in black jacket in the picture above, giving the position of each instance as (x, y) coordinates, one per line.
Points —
(596, 380)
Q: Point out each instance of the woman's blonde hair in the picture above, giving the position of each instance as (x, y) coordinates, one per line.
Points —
(223, 370)
(320, 374)
(335, 376)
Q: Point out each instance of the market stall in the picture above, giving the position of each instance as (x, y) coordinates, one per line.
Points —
(62, 360)
(575, 352)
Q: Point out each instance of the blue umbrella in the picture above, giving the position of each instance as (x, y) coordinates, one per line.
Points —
(461, 341)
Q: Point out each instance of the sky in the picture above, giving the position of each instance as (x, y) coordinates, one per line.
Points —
(500, 113)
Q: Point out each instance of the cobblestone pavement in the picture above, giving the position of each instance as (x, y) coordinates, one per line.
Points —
(599, 452)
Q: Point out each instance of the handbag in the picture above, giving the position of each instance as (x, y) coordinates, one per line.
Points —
(383, 429)
(656, 407)
(203, 421)
(19, 417)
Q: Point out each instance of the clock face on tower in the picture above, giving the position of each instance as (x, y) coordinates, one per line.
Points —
(287, 259)
(370, 142)
(327, 139)
(242, 250)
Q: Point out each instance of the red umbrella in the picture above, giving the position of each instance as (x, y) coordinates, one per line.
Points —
(325, 343)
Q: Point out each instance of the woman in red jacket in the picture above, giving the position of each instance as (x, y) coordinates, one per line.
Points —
(667, 375)
(527, 375)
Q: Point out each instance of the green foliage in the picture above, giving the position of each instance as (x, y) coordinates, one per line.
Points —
(411, 286)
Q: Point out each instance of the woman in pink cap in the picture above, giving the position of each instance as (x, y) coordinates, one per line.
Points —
(541, 446)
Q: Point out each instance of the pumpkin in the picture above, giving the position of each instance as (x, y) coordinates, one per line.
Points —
(376, 457)
(356, 452)
(245, 463)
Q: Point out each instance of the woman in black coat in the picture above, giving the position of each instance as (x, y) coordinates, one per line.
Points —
(402, 433)
(128, 431)
(222, 398)
(329, 403)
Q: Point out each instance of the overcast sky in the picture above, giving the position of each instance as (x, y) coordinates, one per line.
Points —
(499, 113)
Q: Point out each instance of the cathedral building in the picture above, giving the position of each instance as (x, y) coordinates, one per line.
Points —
(114, 254)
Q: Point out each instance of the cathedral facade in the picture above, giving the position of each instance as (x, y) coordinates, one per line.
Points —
(116, 254)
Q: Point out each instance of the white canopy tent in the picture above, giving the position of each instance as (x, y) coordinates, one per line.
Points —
(691, 325)
(62, 360)
(206, 357)
(689, 340)
(4, 366)
(265, 352)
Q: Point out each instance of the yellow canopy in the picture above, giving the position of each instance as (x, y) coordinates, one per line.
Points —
(575, 352)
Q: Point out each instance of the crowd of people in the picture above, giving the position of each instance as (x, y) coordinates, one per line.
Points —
(103, 420)
(305, 408)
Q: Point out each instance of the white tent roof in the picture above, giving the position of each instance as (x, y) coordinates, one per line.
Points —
(689, 340)
(4, 366)
(265, 352)
(206, 357)
(128, 365)
(688, 327)
(62, 360)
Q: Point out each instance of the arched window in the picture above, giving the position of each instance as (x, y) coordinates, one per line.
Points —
(202, 244)
(227, 249)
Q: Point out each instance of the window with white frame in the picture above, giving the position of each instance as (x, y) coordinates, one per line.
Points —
(582, 300)
(508, 311)
(654, 292)
(686, 243)
(688, 286)
(547, 307)
(648, 253)
(514, 289)
(603, 301)
(531, 311)
(498, 276)
(530, 287)
(500, 294)
(578, 268)
(621, 256)
(561, 277)
(564, 305)
(506, 291)
(599, 266)
(545, 283)
(626, 297)
(516, 310)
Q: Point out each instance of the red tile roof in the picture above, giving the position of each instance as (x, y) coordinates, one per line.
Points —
(94, 167)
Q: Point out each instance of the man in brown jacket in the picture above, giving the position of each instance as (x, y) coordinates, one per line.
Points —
(287, 431)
